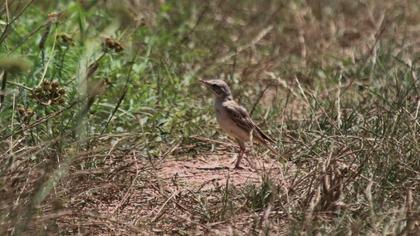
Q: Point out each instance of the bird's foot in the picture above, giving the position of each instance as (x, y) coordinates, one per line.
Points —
(238, 167)
(236, 163)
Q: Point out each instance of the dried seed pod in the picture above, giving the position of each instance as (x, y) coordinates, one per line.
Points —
(112, 44)
(49, 92)
(55, 84)
(45, 85)
(25, 114)
(21, 110)
(60, 100)
(30, 112)
(65, 39)
(54, 16)
(44, 37)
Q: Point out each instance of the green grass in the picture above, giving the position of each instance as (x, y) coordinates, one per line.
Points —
(94, 95)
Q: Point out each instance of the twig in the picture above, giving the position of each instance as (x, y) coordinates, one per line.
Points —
(260, 95)
(54, 215)
(168, 152)
(283, 83)
(338, 102)
(123, 94)
(161, 209)
(3, 88)
(49, 60)
(253, 42)
(23, 41)
(125, 197)
(412, 69)
(20, 85)
(238, 50)
(200, 18)
(9, 23)
(379, 32)
(212, 168)
(131, 227)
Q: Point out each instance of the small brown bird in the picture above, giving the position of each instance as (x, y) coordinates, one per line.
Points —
(234, 119)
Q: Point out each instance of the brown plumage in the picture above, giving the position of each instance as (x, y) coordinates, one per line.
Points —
(235, 120)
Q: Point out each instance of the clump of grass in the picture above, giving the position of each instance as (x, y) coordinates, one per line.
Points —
(109, 95)
(258, 197)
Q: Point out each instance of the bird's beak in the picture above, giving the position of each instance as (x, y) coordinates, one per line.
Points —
(204, 82)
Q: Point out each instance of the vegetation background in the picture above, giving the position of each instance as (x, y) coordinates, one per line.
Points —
(101, 112)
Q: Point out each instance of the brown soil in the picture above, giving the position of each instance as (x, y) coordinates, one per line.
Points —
(215, 170)
(154, 197)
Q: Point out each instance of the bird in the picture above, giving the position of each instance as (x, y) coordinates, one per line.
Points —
(235, 120)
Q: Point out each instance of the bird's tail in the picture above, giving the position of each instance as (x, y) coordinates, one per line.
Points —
(263, 138)
(272, 149)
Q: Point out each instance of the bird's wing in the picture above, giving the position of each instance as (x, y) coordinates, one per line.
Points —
(264, 136)
(241, 117)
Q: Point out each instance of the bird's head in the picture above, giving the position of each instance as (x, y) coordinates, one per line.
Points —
(219, 88)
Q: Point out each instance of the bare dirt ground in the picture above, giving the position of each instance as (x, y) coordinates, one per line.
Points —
(212, 171)
(170, 196)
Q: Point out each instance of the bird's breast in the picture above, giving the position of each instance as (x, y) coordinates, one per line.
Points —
(229, 126)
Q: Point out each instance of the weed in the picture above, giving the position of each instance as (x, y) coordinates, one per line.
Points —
(105, 129)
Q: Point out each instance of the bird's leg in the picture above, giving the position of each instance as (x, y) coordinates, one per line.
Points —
(238, 160)
(241, 154)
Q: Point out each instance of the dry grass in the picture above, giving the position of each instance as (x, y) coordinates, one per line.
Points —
(129, 144)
